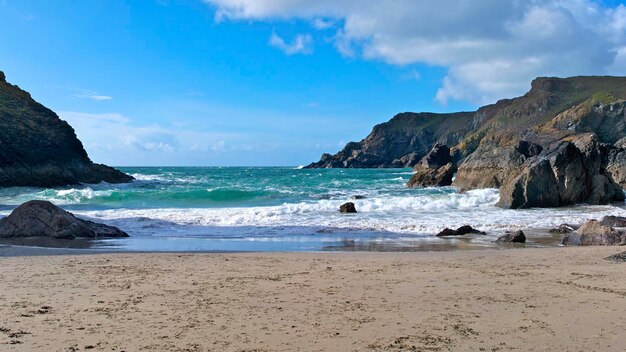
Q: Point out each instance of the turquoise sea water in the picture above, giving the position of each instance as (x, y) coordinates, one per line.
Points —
(288, 209)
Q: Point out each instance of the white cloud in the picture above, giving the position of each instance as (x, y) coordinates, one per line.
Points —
(301, 44)
(88, 94)
(491, 48)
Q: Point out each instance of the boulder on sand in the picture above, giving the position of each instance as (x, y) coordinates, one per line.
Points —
(347, 208)
(38, 218)
(595, 233)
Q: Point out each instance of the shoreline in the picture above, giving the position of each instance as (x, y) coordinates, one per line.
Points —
(41, 246)
(497, 300)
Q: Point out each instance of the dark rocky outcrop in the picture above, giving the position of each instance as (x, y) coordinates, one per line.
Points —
(347, 208)
(461, 231)
(435, 169)
(427, 177)
(39, 149)
(569, 172)
(512, 237)
(44, 219)
(594, 233)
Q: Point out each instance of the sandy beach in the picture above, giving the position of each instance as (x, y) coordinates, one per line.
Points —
(545, 299)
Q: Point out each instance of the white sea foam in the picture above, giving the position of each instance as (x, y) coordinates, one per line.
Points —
(421, 215)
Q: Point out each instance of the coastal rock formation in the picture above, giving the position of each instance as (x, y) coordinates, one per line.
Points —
(434, 169)
(512, 237)
(503, 145)
(347, 208)
(400, 142)
(564, 228)
(569, 172)
(427, 177)
(43, 219)
(39, 149)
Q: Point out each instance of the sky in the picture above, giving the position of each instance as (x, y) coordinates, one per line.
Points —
(279, 82)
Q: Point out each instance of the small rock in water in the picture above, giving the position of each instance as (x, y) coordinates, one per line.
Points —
(619, 257)
(347, 208)
(512, 237)
(463, 230)
(358, 196)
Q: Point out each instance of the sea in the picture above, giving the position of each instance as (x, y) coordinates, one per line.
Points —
(292, 209)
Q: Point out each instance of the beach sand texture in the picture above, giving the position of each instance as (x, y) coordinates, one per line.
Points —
(550, 299)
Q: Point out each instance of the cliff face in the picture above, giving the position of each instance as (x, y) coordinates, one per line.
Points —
(407, 137)
(39, 149)
(400, 142)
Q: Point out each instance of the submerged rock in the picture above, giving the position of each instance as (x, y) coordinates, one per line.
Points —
(347, 208)
(43, 219)
(512, 237)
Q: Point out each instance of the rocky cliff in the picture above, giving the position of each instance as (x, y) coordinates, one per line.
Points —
(39, 149)
(507, 144)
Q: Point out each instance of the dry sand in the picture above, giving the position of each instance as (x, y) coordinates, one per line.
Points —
(553, 299)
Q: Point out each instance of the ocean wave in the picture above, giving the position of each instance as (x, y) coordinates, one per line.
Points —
(425, 215)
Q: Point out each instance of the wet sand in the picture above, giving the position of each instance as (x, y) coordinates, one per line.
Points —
(537, 299)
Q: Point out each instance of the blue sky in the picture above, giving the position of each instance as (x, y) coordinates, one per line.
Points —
(271, 82)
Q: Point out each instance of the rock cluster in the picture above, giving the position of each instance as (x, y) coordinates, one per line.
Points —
(44, 219)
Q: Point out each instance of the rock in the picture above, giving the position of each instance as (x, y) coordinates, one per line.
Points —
(571, 171)
(447, 232)
(466, 229)
(617, 166)
(564, 228)
(619, 257)
(512, 237)
(43, 219)
(491, 164)
(571, 239)
(38, 149)
(358, 196)
(594, 233)
(613, 221)
(438, 156)
(347, 208)
(427, 177)
(461, 231)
